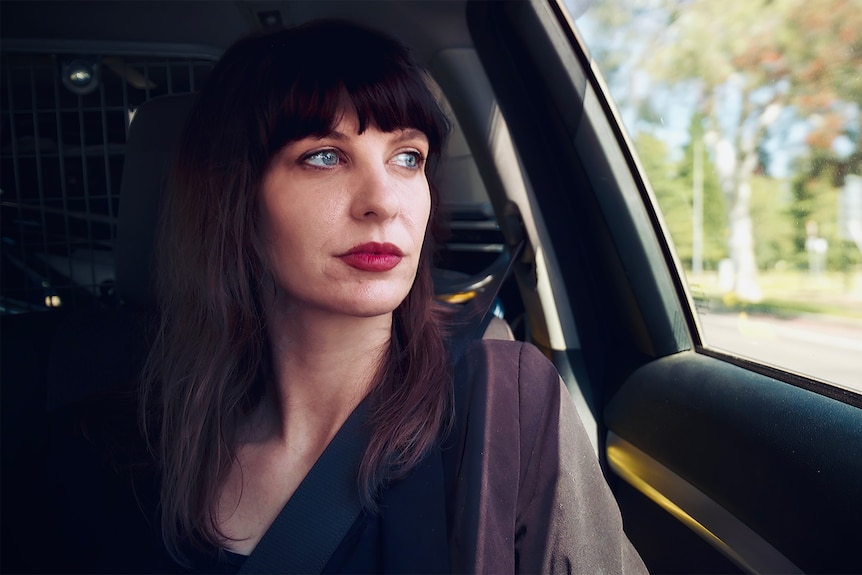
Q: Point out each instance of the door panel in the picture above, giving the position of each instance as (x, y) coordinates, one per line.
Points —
(767, 471)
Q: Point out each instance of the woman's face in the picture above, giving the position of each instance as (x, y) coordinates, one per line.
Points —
(343, 219)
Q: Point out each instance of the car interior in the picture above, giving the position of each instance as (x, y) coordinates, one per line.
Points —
(719, 464)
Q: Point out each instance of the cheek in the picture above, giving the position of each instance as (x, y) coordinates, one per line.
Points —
(300, 232)
(271, 226)
(419, 212)
(277, 230)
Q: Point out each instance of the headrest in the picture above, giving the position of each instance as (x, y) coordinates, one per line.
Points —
(150, 148)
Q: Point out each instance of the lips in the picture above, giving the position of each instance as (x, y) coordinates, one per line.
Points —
(373, 257)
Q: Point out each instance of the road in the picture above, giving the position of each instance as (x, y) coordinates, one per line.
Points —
(826, 349)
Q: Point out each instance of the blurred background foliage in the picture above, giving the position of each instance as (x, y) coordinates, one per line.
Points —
(769, 92)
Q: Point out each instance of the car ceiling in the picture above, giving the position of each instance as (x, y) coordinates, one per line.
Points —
(427, 26)
(206, 28)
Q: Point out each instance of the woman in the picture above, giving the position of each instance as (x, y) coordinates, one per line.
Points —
(297, 221)
(300, 359)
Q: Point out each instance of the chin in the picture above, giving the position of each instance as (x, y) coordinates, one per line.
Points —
(372, 305)
(373, 309)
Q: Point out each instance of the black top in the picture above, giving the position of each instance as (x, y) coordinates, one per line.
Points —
(102, 500)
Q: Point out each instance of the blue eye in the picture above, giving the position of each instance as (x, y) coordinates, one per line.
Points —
(412, 160)
(323, 159)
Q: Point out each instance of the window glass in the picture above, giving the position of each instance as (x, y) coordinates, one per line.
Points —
(747, 118)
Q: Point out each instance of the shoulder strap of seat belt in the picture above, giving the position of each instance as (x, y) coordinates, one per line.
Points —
(485, 300)
(482, 306)
(319, 514)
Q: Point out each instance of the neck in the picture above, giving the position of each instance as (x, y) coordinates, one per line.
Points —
(323, 365)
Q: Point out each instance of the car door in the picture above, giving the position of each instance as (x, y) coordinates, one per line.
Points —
(720, 463)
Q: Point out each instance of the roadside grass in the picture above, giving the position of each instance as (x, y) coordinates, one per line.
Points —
(786, 293)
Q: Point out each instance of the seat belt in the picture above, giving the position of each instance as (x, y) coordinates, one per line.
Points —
(482, 305)
(321, 511)
(484, 302)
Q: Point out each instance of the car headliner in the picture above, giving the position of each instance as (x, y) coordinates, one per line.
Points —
(427, 26)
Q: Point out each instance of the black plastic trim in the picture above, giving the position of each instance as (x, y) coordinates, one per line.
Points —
(784, 460)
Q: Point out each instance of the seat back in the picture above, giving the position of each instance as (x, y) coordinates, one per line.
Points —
(53, 360)
(150, 150)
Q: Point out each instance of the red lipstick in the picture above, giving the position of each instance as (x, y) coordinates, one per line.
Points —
(373, 257)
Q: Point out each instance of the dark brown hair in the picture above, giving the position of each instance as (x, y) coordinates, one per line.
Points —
(210, 362)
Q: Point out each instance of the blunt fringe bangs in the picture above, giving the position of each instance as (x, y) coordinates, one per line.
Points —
(308, 77)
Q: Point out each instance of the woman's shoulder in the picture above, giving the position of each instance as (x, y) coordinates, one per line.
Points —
(520, 361)
(506, 376)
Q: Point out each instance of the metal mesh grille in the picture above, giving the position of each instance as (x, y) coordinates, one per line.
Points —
(62, 140)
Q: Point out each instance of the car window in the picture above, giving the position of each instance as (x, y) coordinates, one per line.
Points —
(747, 119)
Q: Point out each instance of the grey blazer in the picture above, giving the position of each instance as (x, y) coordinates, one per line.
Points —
(525, 491)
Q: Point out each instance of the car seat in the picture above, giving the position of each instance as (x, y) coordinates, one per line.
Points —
(55, 359)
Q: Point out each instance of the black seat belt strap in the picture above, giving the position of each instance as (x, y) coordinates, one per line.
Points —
(319, 514)
(482, 306)
(485, 301)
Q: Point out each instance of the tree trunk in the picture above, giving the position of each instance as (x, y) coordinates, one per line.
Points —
(741, 244)
(735, 163)
(734, 172)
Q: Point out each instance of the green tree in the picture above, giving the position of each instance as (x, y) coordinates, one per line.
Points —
(751, 63)
(672, 194)
(731, 50)
(815, 202)
(714, 224)
(826, 75)
(773, 234)
(672, 182)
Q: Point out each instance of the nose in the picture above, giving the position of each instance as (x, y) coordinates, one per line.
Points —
(375, 194)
